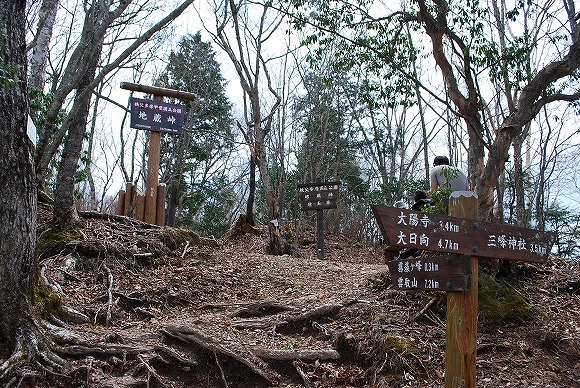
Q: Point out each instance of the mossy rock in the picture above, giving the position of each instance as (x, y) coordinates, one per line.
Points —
(499, 303)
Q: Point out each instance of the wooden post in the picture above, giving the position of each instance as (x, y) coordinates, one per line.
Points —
(461, 332)
(150, 207)
(139, 207)
(120, 210)
(129, 209)
(161, 191)
(319, 230)
(150, 215)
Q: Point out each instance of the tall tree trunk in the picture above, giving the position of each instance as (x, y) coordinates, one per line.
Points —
(18, 204)
(39, 57)
(65, 214)
(250, 218)
(519, 182)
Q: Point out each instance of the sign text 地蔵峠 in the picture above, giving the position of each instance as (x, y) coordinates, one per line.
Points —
(157, 116)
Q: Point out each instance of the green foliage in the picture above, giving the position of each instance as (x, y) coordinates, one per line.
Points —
(440, 196)
(440, 204)
(209, 211)
(194, 159)
(40, 103)
(566, 223)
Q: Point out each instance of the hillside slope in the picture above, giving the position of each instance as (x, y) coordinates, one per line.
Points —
(151, 306)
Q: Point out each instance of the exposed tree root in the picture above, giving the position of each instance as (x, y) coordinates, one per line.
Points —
(32, 348)
(244, 358)
(260, 309)
(305, 379)
(291, 355)
(241, 227)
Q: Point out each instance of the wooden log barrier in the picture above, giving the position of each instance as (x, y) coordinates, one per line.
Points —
(120, 209)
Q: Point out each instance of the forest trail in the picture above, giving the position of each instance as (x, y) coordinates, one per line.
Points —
(152, 306)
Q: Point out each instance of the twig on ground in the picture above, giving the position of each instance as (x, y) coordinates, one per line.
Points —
(185, 249)
(151, 372)
(89, 368)
(110, 295)
(431, 302)
(217, 361)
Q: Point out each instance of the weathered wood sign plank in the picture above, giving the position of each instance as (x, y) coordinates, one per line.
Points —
(319, 195)
(413, 229)
(432, 273)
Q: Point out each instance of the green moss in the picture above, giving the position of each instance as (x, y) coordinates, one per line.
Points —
(50, 240)
(400, 345)
(46, 301)
(500, 304)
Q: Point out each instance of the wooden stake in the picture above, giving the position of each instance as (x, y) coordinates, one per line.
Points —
(319, 230)
(139, 207)
(129, 209)
(461, 332)
(120, 210)
(161, 191)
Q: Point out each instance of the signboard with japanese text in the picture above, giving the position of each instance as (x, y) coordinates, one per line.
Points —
(157, 116)
(413, 229)
(432, 273)
(318, 196)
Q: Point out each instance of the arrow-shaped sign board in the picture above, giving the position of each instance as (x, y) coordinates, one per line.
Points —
(431, 232)
(432, 273)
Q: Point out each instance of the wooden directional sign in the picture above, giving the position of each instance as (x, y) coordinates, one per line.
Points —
(432, 273)
(431, 232)
(317, 196)
(157, 116)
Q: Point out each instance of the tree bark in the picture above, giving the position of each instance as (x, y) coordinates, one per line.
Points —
(17, 191)
(39, 58)
(92, 42)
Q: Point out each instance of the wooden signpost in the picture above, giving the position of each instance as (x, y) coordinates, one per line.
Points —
(157, 117)
(318, 196)
(464, 240)
(434, 273)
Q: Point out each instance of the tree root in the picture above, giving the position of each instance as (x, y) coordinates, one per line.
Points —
(243, 358)
(32, 348)
(260, 309)
(290, 355)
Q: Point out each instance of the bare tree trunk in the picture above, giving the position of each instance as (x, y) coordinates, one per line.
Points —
(249, 71)
(18, 190)
(250, 217)
(40, 44)
(50, 138)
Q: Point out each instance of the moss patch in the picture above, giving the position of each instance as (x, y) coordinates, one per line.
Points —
(46, 301)
(51, 240)
(500, 303)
